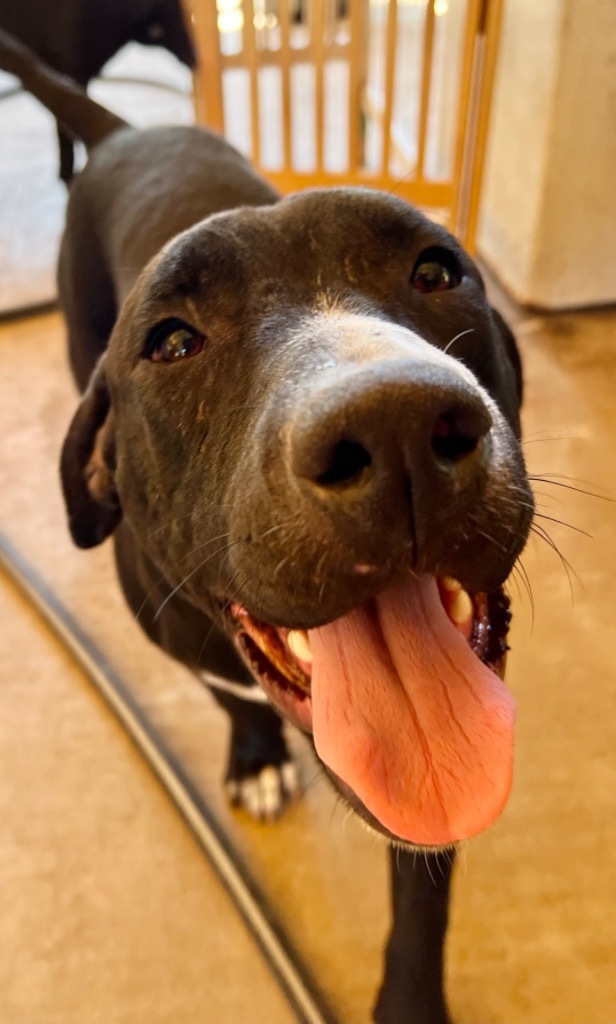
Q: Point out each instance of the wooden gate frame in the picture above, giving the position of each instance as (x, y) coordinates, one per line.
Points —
(457, 198)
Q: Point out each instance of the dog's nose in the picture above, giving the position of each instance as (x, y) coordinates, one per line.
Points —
(377, 436)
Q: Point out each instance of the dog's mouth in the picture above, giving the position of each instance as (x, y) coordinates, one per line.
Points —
(405, 701)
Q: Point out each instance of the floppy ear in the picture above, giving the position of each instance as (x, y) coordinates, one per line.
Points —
(512, 351)
(87, 466)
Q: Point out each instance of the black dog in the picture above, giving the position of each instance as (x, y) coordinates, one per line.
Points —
(305, 487)
(78, 37)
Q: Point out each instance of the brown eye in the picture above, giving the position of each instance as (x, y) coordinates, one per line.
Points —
(436, 270)
(172, 340)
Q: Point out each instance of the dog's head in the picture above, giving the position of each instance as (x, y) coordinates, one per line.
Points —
(308, 415)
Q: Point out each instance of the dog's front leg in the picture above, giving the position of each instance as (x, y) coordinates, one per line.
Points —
(260, 776)
(412, 989)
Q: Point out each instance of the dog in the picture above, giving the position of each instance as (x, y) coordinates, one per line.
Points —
(78, 37)
(300, 423)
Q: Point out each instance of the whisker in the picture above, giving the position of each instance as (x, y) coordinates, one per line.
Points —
(199, 547)
(396, 185)
(529, 439)
(271, 530)
(520, 569)
(490, 539)
(223, 609)
(427, 860)
(550, 500)
(162, 577)
(338, 803)
(561, 522)
(310, 783)
(542, 533)
(279, 567)
(511, 579)
(185, 515)
(448, 856)
(558, 481)
(206, 544)
(172, 593)
(193, 571)
(469, 330)
(147, 598)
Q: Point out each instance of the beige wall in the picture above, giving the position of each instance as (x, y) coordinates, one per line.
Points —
(548, 220)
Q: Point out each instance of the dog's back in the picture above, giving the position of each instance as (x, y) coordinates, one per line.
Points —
(138, 190)
(78, 37)
(68, 102)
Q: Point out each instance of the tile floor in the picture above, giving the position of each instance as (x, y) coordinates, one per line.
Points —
(104, 890)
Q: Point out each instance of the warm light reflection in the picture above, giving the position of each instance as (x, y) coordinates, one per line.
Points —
(230, 21)
(440, 6)
(262, 20)
(231, 17)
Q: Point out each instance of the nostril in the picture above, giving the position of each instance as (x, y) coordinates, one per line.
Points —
(454, 439)
(348, 462)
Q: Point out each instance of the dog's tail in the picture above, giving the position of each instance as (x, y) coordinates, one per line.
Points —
(82, 117)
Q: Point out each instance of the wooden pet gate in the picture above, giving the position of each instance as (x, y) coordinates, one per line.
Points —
(393, 94)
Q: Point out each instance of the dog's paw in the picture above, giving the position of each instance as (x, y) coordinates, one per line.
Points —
(261, 777)
(266, 794)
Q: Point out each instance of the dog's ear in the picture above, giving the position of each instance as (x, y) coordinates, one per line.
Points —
(87, 466)
(512, 351)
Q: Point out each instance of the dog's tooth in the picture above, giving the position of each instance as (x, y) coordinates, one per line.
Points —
(448, 583)
(299, 644)
(461, 608)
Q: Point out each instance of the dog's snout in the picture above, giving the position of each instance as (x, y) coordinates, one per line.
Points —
(368, 440)
(458, 434)
(345, 464)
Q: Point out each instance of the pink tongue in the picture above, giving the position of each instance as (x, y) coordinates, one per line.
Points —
(408, 717)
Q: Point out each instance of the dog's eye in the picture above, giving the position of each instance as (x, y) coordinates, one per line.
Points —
(436, 270)
(172, 340)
